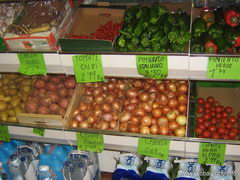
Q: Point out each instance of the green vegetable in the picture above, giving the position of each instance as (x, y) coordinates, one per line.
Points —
(215, 31)
(121, 41)
(142, 23)
(154, 13)
(162, 10)
(232, 36)
(198, 27)
(196, 46)
(223, 45)
(131, 13)
(219, 17)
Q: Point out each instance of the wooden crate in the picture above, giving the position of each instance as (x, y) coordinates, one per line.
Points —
(46, 120)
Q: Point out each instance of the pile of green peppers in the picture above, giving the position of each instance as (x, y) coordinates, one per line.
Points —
(154, 29)
(217, 31)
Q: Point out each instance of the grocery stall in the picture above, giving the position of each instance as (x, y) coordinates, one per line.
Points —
(111, 90)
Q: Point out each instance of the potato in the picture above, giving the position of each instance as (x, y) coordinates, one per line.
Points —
(15, 101)
(3, 106)
(31, 107)
(11, 112)
(26, 82)
(12, 119)
(43, 110)
(22, 105)
(5, 99)
(12, 92)
(26, 88)
(46, 101)
(3, 116)
(39, 84)
(11, 82)
(1, 83)
(61, 111)
(62, 92)
(51, 86)
(5, 80)
(53, 95)
(18, 109)
(63, 102)
(12, 86)
(53, 108)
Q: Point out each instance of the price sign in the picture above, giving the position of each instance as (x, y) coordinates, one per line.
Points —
(155, 67)
(90, 142)
(88, 68)
(157, 148)
(32, 64)
(223, 68)
(211, 153)
(4, 134)
(38, 131)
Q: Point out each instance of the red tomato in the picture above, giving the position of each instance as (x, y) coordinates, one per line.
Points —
(212, 128)
(221, 125)
(224, 114)
(210, 99)
(207, 110)
(226, 137)
(200, 120)
(213, 114)
(201, 126)
(213, 109)
(215, 136)
(213, 120)
(222, 108)
(207, 116)
(232, 135)
(207, 124)
(200, 101)
(229, 125)
(200, 136)
(235, 130)
(232, 120)
(207, 105)
(218, 109)
(216, 103)
(206, 134)
(198, 131)
(221, 130)
(200, 109)
(218, 115)
(229, 109)
(223, 120)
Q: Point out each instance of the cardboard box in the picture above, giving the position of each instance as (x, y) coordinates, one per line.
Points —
(224, 92)
(86, 21)
(41, 41)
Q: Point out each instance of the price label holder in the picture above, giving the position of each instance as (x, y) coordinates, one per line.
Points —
(32, 64)
(210, 153)
(157, 148)
(4, 134)
(152, 66)
(38, 131)
(90, 142)
(88, 68)
(223, 68)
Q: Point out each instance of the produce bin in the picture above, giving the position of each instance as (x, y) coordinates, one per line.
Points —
(37, 28)
(86, 21)
(213, 31)
(54, 119)
(130, 119)
(225, 93)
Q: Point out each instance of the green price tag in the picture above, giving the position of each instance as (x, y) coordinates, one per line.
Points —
(88, 68)
(38, 131)
(223, 68)
(157, 148)
(90, 142)
(155, 67)
(4, 134)
(210, 153)
(32, 64)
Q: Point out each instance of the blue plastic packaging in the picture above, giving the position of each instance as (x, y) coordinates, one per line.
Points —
(127, 167)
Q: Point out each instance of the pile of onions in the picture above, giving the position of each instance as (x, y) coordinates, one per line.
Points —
(51, 94)
(100, 106)
(155, 107)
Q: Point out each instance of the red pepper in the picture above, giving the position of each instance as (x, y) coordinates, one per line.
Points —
(232, 17)
(237, 42)
(210, 47)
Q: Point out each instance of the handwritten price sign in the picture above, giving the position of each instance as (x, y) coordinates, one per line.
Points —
(90, 142)
(4, 134)
(88, 68)
(32, 64)
(211, 153)
(223, 68)
(157, 148)
(155, 67)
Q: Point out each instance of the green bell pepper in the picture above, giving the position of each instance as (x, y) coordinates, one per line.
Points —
(215, 31)
(199, 26)
(196, 46)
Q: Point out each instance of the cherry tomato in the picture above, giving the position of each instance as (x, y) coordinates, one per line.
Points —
(200, 120)
(224, 114)
(215, 136)
(213, 109)
(235, 130)
(224, 120)
(207, 124)
(222, 125)
(229, 109)
(206, 134)
(221, 108)
(200, 109)
(221, 130)
(213, 114)
(207, 116)
(216, 103)
(226, 137)
(200, 101)
(207, 110)
(201, 126)
(232, 120)
(232, 135)
(218, 109)
(210, 99)
(198, 131)
(207, 105)
(229, 125)
(212, 128)
(218, 115)
(213, 120)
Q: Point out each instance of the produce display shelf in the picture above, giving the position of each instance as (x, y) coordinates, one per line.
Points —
(113, 65)
(183, 147)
